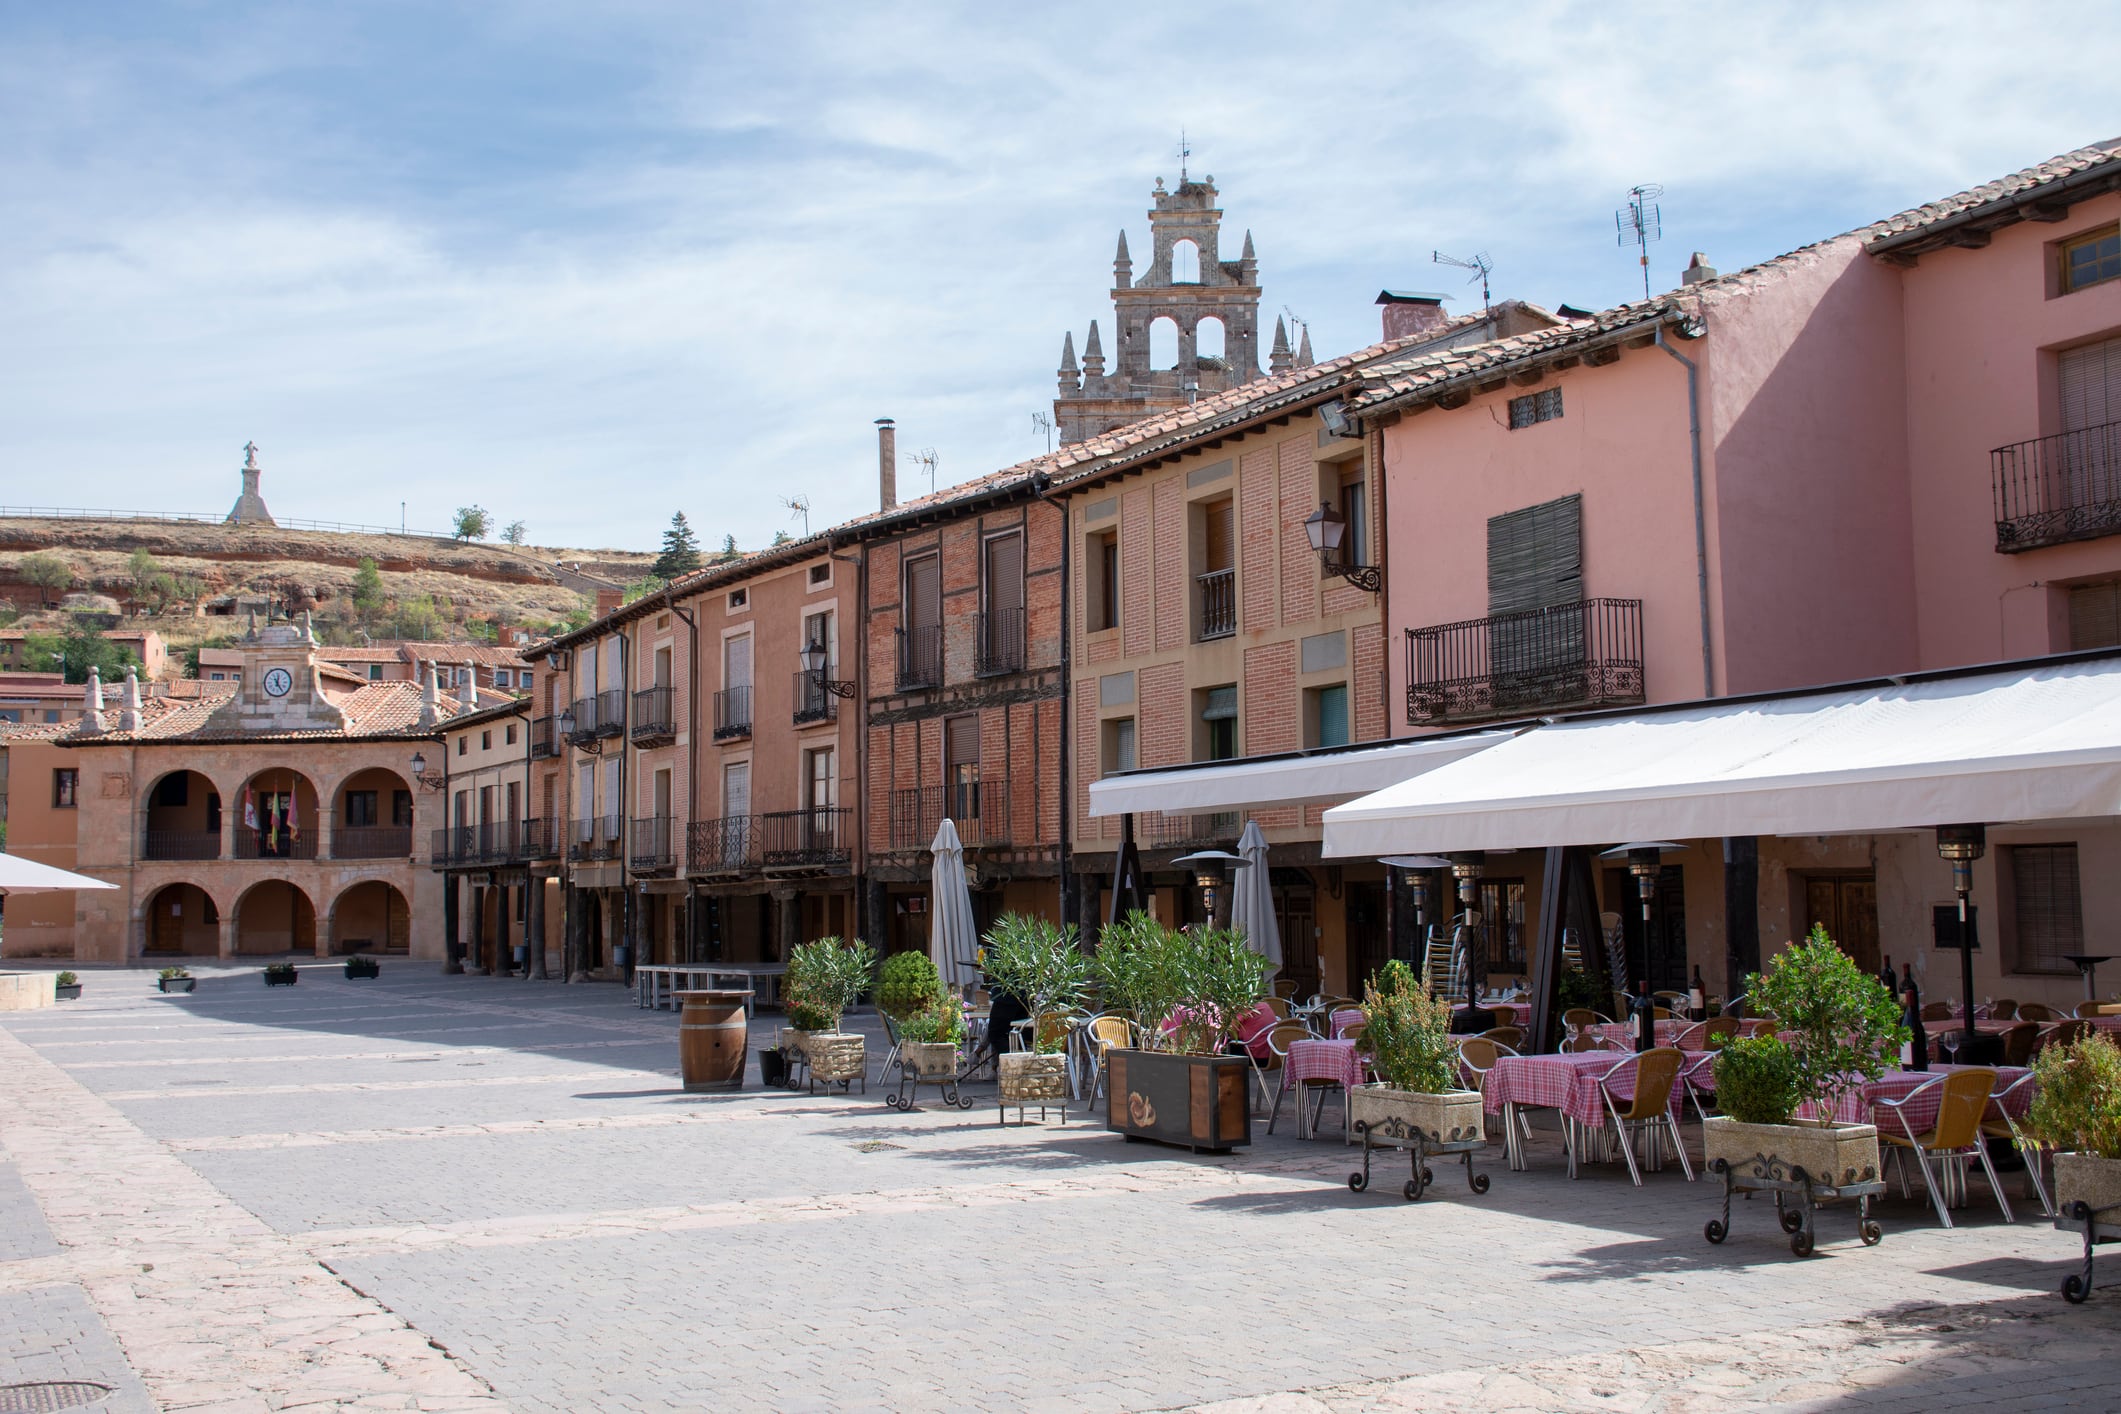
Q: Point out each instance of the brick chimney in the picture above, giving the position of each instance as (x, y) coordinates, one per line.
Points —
(1410, 312)
(886, 463)
(609, 600)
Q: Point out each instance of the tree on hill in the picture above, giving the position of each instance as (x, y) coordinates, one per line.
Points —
(368, 596)
(472, 523)
(729, 550)
(75, 651)
(51, 574)
(516, 533)
(681, 550)
(154, 587)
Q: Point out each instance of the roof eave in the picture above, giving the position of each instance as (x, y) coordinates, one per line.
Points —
(1363, 407)
(2050, 201)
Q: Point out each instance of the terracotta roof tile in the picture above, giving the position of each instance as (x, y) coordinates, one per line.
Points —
(376, 710)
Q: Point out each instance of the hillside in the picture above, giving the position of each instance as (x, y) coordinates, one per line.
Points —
(465, 584)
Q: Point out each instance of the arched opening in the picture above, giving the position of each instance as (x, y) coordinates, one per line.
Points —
(1209, 339)
(182, 921)
(275, 917)
(1163, 344)
(372, 816)
(371, 917)
(1185, 263)
(276, 816)
(183, 818)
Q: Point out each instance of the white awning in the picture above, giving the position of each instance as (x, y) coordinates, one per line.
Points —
(1298, 779)
(2040, 743)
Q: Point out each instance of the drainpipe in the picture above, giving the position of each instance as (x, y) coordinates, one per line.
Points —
(1040, 488)
(692, 767)
(1693, 327)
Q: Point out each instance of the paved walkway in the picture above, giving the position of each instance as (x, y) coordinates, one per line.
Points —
(472, 1193)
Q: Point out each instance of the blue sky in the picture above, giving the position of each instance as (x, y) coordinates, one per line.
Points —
(587, 265)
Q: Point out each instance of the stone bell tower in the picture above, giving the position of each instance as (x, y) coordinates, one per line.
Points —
(1187, 282)
(250, 506)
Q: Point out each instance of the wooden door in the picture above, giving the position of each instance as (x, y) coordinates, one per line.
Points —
(1848, 908)
(1294, 914)
(168, 931)
(1368, 944)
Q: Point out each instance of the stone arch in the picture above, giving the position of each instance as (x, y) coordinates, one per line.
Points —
(263, 829)
(276, 916)
(371, 815)
(182, 815)
(1163, 343)
(1185, 263)
(1211, 338)
(370, 916)
(180, 920)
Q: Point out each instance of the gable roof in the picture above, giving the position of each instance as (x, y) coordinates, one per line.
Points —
(376, 711)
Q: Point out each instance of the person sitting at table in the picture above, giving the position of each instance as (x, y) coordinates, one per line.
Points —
(1003, 1012)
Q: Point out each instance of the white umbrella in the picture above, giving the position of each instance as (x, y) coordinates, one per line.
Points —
(953, 937)
(1252, 903)
(26, 876)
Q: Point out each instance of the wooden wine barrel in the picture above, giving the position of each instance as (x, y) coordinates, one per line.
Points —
(711, 1040)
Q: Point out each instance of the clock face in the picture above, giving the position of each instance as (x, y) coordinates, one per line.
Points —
(278, 681)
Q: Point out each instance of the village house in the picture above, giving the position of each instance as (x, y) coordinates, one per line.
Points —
(493, 903)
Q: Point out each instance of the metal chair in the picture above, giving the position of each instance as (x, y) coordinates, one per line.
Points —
(2036, 1011)
(1997, 1123)
(2020, 1042)
(1100, 1035)
(2002, 1009)
(2064, 1033)
(1655, 1071)
(1279, 1038)
(1955, 1137)
(1511, 1036)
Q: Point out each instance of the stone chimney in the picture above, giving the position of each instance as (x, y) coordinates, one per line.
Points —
(1698, 271)
(468, 689)
(886, 463)
(129, 708)
(430, 697)
(1409, 313)
(610, 601)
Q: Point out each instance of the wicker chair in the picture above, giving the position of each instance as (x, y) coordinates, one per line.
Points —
(1582, 1018)
(2002, 1009)
(1954, 1138)
(2036, 1011)
(1511, 1036)
(2064, 1033)
(1936, 1011)
(1655, 1072)
(1099, 1035)
(2020, 1042)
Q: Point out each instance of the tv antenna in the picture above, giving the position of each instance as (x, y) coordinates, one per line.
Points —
(1639, 223)
(799, 506)
(928, 457)
(1479, 264)
(1184, 151)
(1043, 422)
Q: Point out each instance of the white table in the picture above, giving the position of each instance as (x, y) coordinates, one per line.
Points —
(656, 984)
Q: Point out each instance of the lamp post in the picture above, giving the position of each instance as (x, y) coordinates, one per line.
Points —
(1325, 528)
(1208, 866)
(1962, 845)
(1645, 860)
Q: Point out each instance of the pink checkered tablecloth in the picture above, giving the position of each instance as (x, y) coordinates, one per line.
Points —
(1322, 1060)
(1856, 1107)
(1511, 1013)
(1343, 1018)
(1569, 1082)
(2104, 1023)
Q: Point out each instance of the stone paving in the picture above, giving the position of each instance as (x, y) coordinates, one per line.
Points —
(471, 1193)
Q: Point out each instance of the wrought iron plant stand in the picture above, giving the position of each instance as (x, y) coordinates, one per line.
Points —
(914, 1072)
(1400, 1134)
(2099, 1225)
(1797, 1196)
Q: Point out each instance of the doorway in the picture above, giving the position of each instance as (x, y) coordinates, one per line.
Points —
(1847, 906)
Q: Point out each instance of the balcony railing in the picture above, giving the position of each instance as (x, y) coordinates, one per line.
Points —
(541, 839)
(1155, 830)
(611, 712)
(729, 845)
(653, 717)
(1001, 642)
(584, 712)
(1570, 656)
(653, 845)
(979, 809)
(496, 842)
(2052, 490)
(812, 702)
(814, 838)
(544, 737)
(299, 843)
(181, 844)
(594, 839)
(371, 842)
(1218, 603)
(920, 657)
(732, 713)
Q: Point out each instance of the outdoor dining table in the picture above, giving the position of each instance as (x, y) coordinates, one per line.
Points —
(1857, 1107)
(1319, 1059)
(1568, 1082)
(1995, 1028)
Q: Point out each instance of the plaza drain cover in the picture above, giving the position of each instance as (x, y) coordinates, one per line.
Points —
(47, 1395)
(867, 1146)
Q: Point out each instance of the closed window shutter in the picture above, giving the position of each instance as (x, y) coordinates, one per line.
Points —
(1221, 705)
(2091, 385)
(1216, 549)
(1333, 716)
(1535, 557)
(1005, 573)
(924, 592)
(2095, 615)
(961, 741)
(2050, 915)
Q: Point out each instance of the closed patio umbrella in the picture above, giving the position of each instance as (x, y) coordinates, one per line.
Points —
(26, 876)
(1252, 899)
(953, 937)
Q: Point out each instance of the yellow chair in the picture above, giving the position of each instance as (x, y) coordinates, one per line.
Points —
(1511, 1036)
(1655, 1072)
(1954, 1138)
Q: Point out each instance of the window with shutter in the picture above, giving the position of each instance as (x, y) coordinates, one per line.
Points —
(1535, 562)
(2047, 907)
(961, 777)
(924, 591)
(2095, 615)
(2090, 382)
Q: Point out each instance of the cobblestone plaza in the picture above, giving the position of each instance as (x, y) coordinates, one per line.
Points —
(467, 1193)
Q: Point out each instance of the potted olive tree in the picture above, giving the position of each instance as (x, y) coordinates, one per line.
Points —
(2076, 1111)
(1843, 1026)
(824, 980)
(1190, 991)
(1420, 1101)
(1037, 962)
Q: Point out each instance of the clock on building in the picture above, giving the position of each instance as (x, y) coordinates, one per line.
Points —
(278, 681)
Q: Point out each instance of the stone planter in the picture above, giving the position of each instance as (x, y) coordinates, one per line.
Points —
(1200, 1102)
(1393, 1116)
(1831, 1156)
(1030, 1078)
(837, 1057)
(2092, 1181)
(928, 1060)
(176, 984)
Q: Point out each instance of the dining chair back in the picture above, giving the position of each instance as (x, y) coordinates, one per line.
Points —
(1724, 1026)
(1353, 1030)
(1279, 1006)
(1577, 1018)
(1998, 1123)
(1936, 1011)
(1649, 1107)
(2020, 1042)
(1480, 1052)
(1660, 1013)
(2036, 1011)
(2064, 1033)
(1511, 1036)
(2002, 1009)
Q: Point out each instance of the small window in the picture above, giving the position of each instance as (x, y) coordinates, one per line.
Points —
(1218, 723)
(500, 677)
(1326, 715)
(738, 598)
(66, 787)
(2047, 906)
(821, 574)
(51, 714)
(1102, 582)
(360, 809)
(2091, 259)
(523, 680)
(463, 744)
(401, 807)
(1117, 745)
(510, 738)
(1355, 512)
(375, 672)
(1542, 406)
(486, 740)
(2095, 615)
(217, 677)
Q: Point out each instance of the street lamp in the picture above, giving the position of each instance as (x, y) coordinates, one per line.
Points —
(1962, 845)
(817, 662)
(1325, 528)
(420, 773)
(1645, 860)
(1208, 866)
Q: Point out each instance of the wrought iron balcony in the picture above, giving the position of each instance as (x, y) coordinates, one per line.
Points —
(1565, 658)
(653, 716)
(729, 845)
(818, 838)
(979, 809)
(920, 657)
(732, 713)
(595, 839)
(584, 711)
(544, 737)
(181, 844)
(1155, 830)
(812, 702)
(653, 846)
(2052, 490)
(541, 839)
(1001, 643)
(1218, 603)
(611, 712)
(371, 842)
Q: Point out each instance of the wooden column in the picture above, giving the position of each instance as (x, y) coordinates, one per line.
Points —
(534, 929)
(452, 934)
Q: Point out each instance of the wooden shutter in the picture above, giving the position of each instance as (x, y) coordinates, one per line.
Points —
(924, 592)
(1535, 557)
(1005, 573)
(736, 661)
(960, 741)
(2095, 615)
(2091, 385)
(2049, 912)
(1216, 536)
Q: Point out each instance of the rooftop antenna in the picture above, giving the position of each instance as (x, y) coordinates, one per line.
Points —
(928, 457)
(1184, 151)
(1480, 265)
(1043, 422)
(799, 506)
(1640, 222)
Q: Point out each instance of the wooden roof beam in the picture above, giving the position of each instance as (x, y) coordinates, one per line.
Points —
(1599, 358)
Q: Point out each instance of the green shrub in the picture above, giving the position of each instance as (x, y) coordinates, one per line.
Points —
(907, 983)
(1756, 1080)
(1578, 988)
(941, 1020)
(1408, 1034)
(808, 1016)
(827, 977)
(1038, 963)
(171, 974)
(1133, 970)
(1206, 979)
(66, 979)
(1844, 1024)
(2077, 1097)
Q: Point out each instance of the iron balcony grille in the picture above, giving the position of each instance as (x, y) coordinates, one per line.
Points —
(814, 838)
(443, 849)
(584, 711)
(2052, 490)
(654, 844)
(544, 737)
(732, 713)
(371, 842)
(181, 844)
(611, 712)
(812, 702)
(594, 839)
(299, 843)
(1569, 656)
(729, 845)
(1218, 603)
(920, 657)
(1001, 642)
(652, 715)
(1155, 830)
(979, 809)
(541, 839)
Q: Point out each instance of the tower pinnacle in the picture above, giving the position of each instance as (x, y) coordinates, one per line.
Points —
(250, 506)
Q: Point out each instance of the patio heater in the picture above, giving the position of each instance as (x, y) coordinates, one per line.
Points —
(1961, 845)
(1208, 866)
(1467, 869)
(1645, 860)
(1414, 864)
